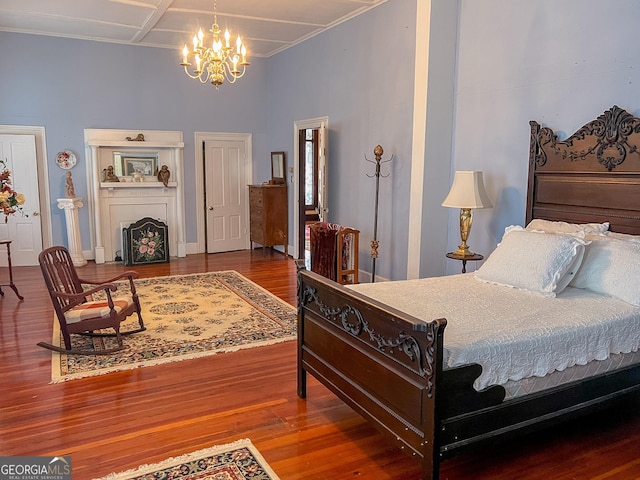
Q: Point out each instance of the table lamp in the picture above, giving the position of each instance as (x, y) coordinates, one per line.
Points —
(467, 193)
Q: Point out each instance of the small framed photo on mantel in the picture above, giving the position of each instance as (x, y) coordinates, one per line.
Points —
(135, 164)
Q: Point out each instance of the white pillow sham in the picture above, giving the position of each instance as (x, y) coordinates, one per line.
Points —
(623, 236)
(549, 226)
(541, 263)
(611, 267)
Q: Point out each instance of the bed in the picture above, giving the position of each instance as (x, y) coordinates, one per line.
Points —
(396, 369)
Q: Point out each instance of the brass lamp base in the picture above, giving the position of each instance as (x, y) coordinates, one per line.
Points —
(466, 218)
(463, 251)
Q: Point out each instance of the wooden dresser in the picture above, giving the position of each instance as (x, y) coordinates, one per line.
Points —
(268, 221)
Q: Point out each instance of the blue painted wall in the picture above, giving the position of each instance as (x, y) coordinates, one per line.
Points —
(359, 74)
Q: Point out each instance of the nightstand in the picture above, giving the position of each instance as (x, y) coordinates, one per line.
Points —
(465, 258)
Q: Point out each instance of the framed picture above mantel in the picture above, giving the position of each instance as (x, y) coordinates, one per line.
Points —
(135, 163)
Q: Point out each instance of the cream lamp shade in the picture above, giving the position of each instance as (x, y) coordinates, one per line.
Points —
(467, 193)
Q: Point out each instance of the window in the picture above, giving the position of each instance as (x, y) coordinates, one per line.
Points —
(311, 152)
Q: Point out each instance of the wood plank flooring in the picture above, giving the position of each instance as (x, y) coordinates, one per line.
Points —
(120, 420)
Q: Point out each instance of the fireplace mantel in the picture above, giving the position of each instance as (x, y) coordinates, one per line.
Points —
(115, 205)
(108, 185)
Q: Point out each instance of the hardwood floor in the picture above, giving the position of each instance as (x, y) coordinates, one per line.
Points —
(120, 420)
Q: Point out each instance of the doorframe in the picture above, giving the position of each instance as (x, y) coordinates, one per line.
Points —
(297, 126)
(200, 138)
(43, 175)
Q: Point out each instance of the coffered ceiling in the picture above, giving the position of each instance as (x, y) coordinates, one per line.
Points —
(267, 26)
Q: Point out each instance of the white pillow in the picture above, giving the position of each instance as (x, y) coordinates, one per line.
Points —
(571, 270)
(533, 261)
(563, 227)
(623, 236)
(611, 267)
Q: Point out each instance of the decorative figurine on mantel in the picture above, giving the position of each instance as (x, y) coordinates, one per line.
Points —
(163, 175)
(69, 190)
(139, 138)
(108, 175)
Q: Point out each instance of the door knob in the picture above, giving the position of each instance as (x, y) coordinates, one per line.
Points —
(211, 208)
(35, 214)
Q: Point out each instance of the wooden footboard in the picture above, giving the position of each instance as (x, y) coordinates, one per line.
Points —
(381, 362)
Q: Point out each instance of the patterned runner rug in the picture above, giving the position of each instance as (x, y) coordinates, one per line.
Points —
(236, 461)
(186, 316)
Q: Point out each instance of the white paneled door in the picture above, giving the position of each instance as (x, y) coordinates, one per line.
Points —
(226, 195)
(25, 231)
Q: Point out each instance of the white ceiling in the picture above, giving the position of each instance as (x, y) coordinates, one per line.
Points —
(266, 26)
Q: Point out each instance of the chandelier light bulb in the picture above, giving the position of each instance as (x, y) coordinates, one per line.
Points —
(185, 56)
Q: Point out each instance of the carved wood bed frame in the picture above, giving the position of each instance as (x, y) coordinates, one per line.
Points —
(388, 366)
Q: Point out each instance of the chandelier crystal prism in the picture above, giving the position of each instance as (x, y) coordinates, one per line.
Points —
(223, 60)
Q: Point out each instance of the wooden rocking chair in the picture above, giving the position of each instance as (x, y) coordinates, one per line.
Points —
(76, 312)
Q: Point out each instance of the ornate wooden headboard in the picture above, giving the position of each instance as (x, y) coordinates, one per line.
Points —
(592, 176)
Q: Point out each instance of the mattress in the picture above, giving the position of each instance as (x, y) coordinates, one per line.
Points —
(527, 386)
(513, 334)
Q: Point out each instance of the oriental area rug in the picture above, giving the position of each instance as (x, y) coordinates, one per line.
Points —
(187, 316)
(236, 461)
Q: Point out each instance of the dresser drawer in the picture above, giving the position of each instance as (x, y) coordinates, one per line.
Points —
(257, 235)
(255, 196)
(256, 210)
(257, 223)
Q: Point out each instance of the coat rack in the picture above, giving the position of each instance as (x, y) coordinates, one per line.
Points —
(377, 152)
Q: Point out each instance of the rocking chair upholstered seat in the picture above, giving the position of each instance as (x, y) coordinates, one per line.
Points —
(77, 312)
(101, 309)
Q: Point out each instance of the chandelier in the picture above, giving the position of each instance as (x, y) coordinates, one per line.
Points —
(221, 61)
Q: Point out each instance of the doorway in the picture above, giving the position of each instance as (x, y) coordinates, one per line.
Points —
(310, 179)
(24, 149)
(225, 195)
(223, 171)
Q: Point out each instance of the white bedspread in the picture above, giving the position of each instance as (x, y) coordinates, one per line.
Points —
(511, 333)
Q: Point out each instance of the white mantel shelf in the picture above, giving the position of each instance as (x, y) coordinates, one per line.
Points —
(110, 185)
(134, 144)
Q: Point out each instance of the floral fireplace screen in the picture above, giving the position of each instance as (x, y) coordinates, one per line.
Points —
(145, 241)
